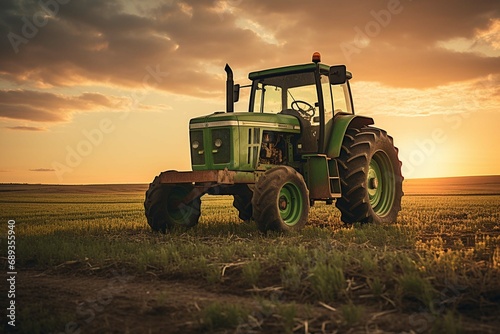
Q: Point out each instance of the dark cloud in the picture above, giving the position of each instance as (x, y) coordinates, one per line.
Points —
(25, 128)
(392, 42)
(49, 107)
(94, 41)
(182, 46)
(42, 170)
(423, 68)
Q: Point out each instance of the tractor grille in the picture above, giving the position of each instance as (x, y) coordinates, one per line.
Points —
(198, 153)
(221, 154)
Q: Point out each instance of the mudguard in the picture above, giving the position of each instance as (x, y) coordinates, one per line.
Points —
(341, 123)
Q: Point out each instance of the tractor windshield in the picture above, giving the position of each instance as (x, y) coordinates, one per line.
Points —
(280, 93)
(299, 92)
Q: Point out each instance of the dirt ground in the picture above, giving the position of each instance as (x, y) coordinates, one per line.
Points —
(117, 301)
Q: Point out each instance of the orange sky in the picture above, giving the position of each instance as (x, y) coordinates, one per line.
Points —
(102, 91)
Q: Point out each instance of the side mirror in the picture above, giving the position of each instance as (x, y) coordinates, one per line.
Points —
(236, 93)
(338, 74)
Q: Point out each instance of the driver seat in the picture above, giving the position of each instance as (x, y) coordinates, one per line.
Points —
(307, 139)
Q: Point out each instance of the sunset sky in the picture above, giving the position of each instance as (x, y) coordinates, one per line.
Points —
(98, 91)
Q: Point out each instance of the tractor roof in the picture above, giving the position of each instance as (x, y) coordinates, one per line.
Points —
(294, 69)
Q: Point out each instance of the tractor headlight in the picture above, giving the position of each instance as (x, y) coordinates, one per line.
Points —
(218, 142)
(195, 144)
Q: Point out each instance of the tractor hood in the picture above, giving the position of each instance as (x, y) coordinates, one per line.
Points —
(233, 140)
(282, 123)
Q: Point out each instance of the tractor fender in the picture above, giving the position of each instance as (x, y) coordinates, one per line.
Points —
(341, 122)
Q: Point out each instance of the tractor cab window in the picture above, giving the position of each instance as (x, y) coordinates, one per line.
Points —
(327, 98)
(341, 100)
(303, 100)
(293, 93)
(268, 98)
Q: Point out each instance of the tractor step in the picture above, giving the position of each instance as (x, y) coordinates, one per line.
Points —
(322, 177)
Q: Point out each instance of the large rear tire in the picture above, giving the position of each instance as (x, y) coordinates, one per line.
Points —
(371, 179)
(164, 207)
(281, 200)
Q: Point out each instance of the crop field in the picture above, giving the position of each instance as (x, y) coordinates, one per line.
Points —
(87, 262)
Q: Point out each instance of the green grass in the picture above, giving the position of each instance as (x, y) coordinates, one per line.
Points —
(251, 272)
(45, 321)
(287, 314)
(222, 315)
(328, 282)
(440, 248)
(449, 323)
(352, 313)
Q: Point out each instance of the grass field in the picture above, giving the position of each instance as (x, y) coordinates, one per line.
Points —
(87, 262)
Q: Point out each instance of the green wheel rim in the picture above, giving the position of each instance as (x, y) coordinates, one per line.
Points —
(290, 204)
(381, 184)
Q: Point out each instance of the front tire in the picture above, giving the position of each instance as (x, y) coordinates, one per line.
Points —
(281, 200)
(243, 202)
(164, 207)
(371, 178)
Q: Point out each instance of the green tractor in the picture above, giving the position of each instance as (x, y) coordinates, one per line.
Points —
(300, 142)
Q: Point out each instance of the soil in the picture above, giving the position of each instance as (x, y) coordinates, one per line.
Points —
(77, 300)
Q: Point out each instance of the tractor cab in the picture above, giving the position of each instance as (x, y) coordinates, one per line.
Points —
(313, 93)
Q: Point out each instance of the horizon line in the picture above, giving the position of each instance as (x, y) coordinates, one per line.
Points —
(145, 183)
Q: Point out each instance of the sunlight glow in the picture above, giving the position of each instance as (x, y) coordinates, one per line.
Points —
(485, 42)
(258, 29)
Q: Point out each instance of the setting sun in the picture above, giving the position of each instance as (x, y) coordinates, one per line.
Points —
(83, 101)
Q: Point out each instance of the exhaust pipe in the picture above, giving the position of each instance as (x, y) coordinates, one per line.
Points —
(229, 89)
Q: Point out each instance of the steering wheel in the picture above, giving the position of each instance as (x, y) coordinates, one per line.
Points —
(308, 112)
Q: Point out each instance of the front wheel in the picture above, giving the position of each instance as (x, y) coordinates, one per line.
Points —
(165, 208)
(371, 178)
(281, 200)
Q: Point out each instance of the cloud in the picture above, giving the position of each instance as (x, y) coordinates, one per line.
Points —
(372, 98)
(99, 42)
(25, 128)
(42, 170)
(50, 107)
(485, 42)
(392, 42)
(181, 46)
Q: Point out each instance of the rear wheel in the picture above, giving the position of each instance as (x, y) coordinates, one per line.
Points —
(281, 200)
(165, 208)
(370, 172)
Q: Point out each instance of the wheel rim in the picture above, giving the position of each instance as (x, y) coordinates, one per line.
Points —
(381, 183)
(290, 204)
